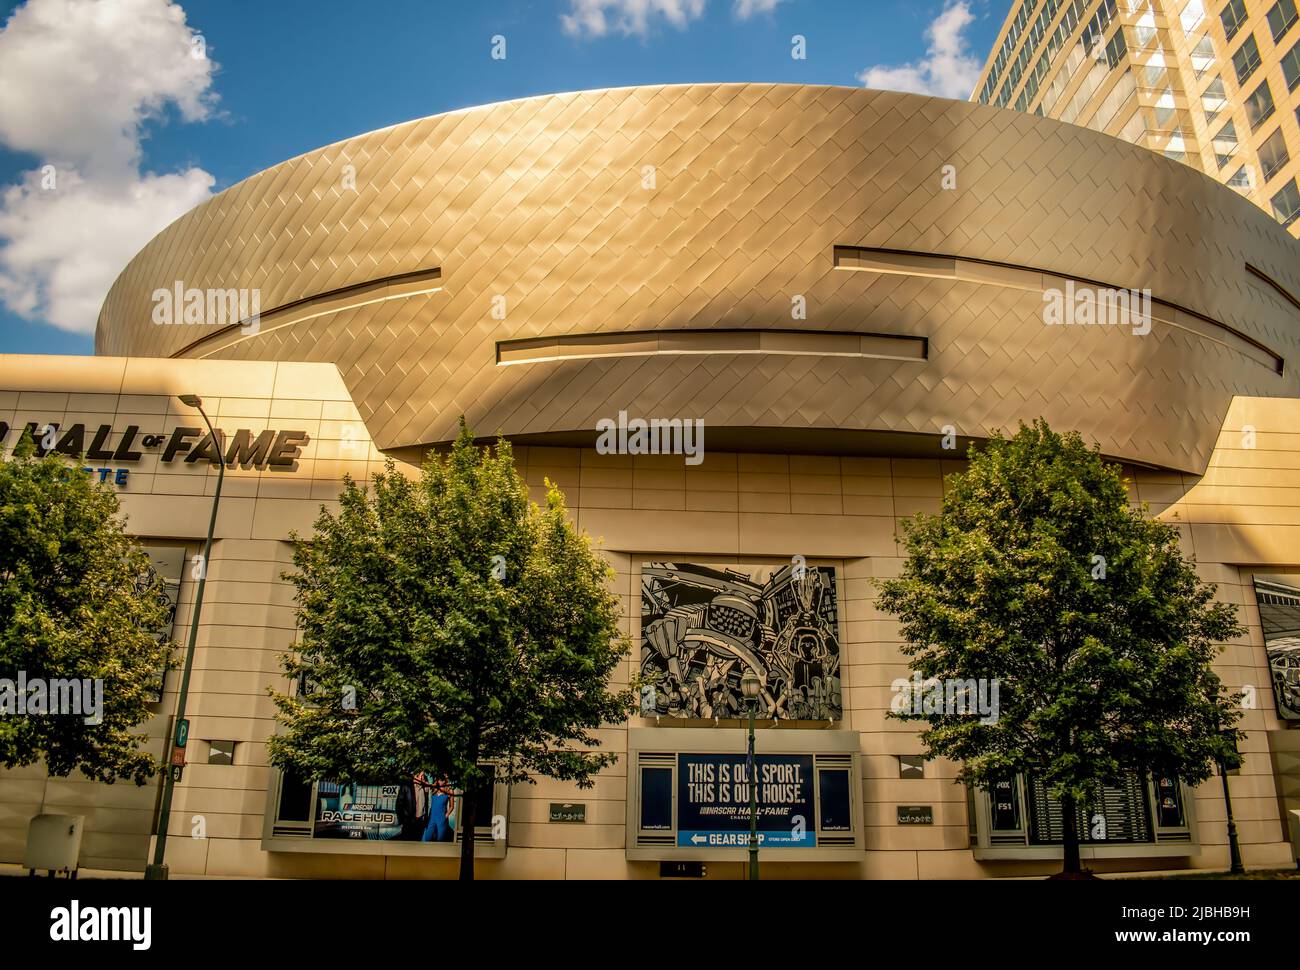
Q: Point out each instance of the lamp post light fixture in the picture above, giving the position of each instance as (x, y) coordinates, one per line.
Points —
(158, 869)
(750, 687)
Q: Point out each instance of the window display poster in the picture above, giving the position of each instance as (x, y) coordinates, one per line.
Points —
(1004, 795)
(1169, 802)
(1114, 813)
(421, 809)
(713, 800)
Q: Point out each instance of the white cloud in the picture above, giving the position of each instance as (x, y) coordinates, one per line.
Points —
(948, 70)
(64, 248)
(744, 9)
(78, 81)
(595, 18)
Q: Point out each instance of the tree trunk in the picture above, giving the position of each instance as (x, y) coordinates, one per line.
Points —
(1070, 818)
(467, 812)
(469, 806)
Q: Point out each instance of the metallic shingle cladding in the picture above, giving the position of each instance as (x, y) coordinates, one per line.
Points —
(548, 202)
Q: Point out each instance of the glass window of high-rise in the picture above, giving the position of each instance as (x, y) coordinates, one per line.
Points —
(1225, 144)
(1166, 109)
(1202, 55)
(1286, 204)
(1246, 60)
(1233, 16)
(1116, 49)
(1291, 67)
(1144, 29)
(1259, 106)
(1240, 179)
(1273, 155)
(1155, 69)
(1213, 99)
(1281, 16)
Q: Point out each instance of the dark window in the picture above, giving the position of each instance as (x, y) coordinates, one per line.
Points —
(483, 801)
(1246, 60)
(656, 799)
(1291, 67)
(1286, 204)
(1280, 17)
(972, 819)
(1233, 16)
(1259, 106)
(295, 800)
(833, 800)
(1273, 155)
(1116, 49)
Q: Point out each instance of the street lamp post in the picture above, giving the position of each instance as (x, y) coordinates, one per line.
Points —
(1234, 847)
(158, 869)
(750, 686)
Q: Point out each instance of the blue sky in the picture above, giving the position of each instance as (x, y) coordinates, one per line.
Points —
(170, 102)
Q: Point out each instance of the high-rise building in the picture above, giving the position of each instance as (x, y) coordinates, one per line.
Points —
(1211, 83)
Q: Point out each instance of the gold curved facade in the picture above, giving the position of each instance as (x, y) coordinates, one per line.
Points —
(892, 251)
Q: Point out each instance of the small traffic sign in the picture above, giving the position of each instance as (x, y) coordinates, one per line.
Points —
(177, 772)
(178, 756)
(182, 732)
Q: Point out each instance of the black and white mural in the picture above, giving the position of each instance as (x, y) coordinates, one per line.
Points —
(1279, 613)
(703, 626)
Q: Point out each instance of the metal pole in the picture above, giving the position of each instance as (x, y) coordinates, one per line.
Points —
(753, 796)
(1234, 848)
(158, 870)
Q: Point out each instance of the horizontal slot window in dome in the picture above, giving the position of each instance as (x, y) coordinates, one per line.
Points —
(650, 343)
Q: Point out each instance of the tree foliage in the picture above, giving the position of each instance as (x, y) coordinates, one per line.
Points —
(447, 622)
(1039, 573)
(78, 600)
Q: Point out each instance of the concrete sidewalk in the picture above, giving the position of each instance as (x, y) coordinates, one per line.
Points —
(12, 869)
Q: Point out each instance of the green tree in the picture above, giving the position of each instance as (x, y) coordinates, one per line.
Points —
(1038, 573)
(451, 625)
(78, 600)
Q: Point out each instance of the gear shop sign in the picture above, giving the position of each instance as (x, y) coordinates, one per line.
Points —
(713, 801)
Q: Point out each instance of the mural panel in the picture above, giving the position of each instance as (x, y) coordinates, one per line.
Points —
(1279, 613)
(703, 626)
